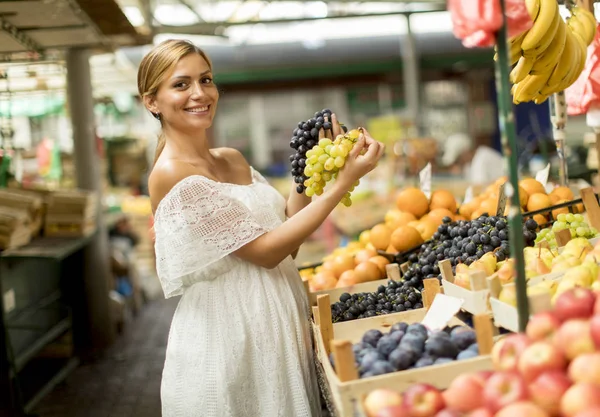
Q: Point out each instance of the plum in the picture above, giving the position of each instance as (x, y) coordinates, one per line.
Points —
(397, 335)
(423, 362)
(416, 341)
(441, 347)
(474, 347)
(372, 337)
(441, 361)
(381, 367)
(467, 354)
(399, 326)
(417, 328)
(386, 345)
(463, 338)
(402, 359)
(369, 359)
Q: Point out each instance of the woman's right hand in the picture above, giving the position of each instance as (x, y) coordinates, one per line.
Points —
(357, 165)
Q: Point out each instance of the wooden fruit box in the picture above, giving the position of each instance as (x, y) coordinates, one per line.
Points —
(347, 391)
(506, 315)
(393, 273)
(75, 228)
(475, 299)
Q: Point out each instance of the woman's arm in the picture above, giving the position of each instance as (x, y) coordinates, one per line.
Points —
(270, 249)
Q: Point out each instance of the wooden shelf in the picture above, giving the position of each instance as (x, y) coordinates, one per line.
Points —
(48, 248)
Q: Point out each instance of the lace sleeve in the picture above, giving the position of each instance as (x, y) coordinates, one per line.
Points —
(197, 225)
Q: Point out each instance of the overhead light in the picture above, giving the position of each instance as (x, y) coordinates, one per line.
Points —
(134, 15)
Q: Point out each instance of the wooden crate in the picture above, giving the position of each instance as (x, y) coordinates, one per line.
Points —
(347, 392)
(393, 273)
(75, 228)
(29, 201)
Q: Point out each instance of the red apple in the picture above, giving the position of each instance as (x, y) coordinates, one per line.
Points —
(597, 304)
(522, 409)
(393, 411)
(576, 303)
(542, 326)
(481, 412)
(595, 328)
(465, 393)
(423, 400)
(504, 388)
(592, 412)
(548, 389)
(586, 368)
(506, 352)
(574, 338)
(381, 398)
(540, 357)
(580, 397)
(448, 413)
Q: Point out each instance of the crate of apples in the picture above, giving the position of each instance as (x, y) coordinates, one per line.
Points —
(551, 370)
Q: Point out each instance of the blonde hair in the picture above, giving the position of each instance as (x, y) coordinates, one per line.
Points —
(157, 64)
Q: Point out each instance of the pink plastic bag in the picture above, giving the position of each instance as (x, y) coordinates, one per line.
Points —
(476, 22)
(585, 92)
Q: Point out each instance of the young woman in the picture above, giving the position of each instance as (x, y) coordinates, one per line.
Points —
(239, 344)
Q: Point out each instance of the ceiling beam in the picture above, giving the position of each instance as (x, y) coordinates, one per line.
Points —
(216, 28)
(28, 43)
(191, 9)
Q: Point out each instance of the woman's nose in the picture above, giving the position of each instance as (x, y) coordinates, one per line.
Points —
(197, 90)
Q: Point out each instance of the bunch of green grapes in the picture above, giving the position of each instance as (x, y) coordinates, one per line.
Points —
(324, 161)
(574, 222)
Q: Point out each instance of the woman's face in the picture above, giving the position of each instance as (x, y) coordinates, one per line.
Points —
(187, 98)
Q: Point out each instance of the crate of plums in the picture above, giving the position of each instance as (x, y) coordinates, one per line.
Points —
(396, 350)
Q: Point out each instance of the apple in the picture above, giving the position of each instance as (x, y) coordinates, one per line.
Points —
(580, 397)
(592, 412)
(597, 304)
(548, 389)
(542, 326)
(423, 400)
(465, 393)
(522, 409)
(504, 388)
(506, 352)
(586, 368)
(448, 413)
(575, 304)
(574, 338)
(380, 398)
(540, 357)
(481, 412)
(393, 411)
(595, 329)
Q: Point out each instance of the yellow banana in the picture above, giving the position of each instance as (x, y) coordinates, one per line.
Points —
(563, 66)
(541, 98)
(533, 8)
(530, 87)
(577, 27)
(515, 48)
(578, 65)
(548, 59)
(520, 71)
(588, 22)
(544, 28)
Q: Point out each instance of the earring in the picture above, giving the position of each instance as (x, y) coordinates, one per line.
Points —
(156, 116)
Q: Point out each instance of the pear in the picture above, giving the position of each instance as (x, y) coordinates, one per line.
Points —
(579, 274)
(592, 267)
(549, 285)
(538, 289)
(566, 265)
(462, 269)
(578, 247)
(490, 262)
(596, 285)
(540, 267)
(506, 273)
(463, 280)
(508, 295)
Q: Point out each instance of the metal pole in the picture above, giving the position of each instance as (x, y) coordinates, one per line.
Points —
(96, 331)
(558, 116)
(410, 69)
(509, 146)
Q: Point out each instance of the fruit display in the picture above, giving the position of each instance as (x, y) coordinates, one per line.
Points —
(575, 223)
(551, 370)
(409, 346)
(551, 55)
(395, 297)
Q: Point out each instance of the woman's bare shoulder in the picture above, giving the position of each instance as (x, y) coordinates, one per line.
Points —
(168, 173)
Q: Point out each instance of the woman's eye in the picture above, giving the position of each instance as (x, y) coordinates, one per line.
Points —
(179, 85)
(207, 80)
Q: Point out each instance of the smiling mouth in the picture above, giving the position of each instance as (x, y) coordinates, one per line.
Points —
(198, 109)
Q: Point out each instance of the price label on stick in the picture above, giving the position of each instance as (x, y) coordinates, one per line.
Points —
(468, 195)
(502, 198)
(542, 175)
(425, 177)
(443, 308)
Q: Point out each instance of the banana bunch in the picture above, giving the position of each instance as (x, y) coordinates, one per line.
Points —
(551, 55)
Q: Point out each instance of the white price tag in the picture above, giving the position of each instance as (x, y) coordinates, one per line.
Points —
(468, 195)
(425, 177)
(542, 175)
(441, 311)
(9, 301)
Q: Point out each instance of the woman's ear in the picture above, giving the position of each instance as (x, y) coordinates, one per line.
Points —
(150, 103)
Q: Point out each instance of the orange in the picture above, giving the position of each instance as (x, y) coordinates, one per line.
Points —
(380, 236)
(532, 186)
(412, 200)
(442, 199)
(405, 238)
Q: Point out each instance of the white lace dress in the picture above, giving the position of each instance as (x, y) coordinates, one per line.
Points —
(239, 344)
